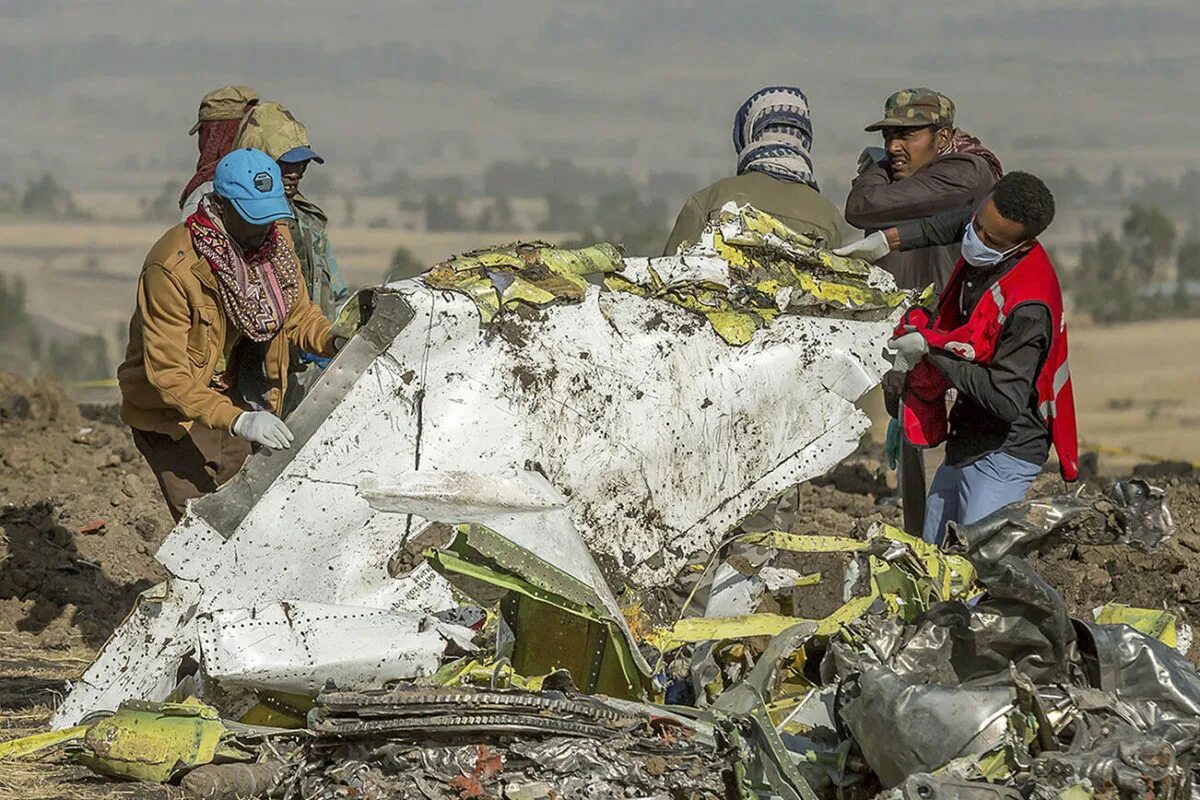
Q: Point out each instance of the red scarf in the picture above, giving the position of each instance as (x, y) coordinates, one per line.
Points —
(216, 140)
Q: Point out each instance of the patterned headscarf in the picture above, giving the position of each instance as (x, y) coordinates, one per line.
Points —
(257, 289)
(773, 134)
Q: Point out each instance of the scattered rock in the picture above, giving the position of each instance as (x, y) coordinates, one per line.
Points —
(95, 526)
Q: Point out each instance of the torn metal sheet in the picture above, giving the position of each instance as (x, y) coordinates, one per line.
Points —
(660, 436)
(1166, 626)
(906, 728)
(764, 270)
(902, 574)
(463, 742)
(525, 272)
(301, 647)
(1131, 512)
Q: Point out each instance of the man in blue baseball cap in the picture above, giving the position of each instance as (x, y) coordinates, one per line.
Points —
(220, 303)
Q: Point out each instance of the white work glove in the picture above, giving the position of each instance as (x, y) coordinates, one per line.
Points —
(869, 156)
(263, 427)
(910, 349)
(872, 248)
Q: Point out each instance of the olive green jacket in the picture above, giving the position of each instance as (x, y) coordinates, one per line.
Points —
(797, 205)
(324, 279)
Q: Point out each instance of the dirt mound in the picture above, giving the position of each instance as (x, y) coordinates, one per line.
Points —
(80, 516)
(1088, 576)
(852, 496)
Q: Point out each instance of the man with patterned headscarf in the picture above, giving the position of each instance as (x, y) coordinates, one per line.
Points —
(772, 136)
(220, 304)
(218, 122)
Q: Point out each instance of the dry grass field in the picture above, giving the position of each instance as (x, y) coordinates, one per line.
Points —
(82, 275)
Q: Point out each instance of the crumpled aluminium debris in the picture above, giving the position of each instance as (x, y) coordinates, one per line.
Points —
(537, 273)
(1131, 512)
(463, 742)
(949, 687)
(645, 467)
(764, 270)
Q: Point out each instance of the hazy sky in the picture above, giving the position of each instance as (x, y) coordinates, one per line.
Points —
(442, 87)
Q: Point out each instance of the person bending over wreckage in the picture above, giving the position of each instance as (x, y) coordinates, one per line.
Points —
(219, 301)
(997, 335)
(772, 135)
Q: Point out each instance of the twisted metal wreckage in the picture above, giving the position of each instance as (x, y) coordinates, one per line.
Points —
(417, 600)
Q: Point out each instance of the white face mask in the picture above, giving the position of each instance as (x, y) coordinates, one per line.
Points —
(978, 254)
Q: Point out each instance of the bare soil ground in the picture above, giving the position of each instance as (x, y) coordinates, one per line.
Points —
(80, 519)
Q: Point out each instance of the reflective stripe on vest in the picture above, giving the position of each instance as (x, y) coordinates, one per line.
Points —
(1049, 408)
(998, 298)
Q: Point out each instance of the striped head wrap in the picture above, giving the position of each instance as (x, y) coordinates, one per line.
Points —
(772, 134)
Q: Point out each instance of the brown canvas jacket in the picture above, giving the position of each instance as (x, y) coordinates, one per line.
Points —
(875, 202)
(176, 335)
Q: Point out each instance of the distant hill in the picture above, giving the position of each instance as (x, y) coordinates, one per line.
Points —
(107, 92)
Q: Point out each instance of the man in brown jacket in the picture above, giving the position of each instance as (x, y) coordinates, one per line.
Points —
(926, 167)
(219, 300)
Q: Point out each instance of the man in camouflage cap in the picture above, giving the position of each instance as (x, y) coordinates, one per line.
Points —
(270, 127)
(228, 102)
(916, 108)
(926, 167)
(218, 121)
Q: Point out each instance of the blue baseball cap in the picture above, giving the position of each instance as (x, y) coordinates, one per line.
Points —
(302, 153)
(250, 180)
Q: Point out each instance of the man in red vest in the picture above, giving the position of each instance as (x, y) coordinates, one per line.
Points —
(997, 337)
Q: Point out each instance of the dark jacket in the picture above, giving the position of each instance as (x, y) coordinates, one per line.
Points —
(997, 405)
(950, 182)
(797, 205)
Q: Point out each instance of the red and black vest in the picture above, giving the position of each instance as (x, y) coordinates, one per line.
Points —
(1031, 280)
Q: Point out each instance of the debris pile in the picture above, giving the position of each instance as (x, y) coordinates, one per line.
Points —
(501, 562)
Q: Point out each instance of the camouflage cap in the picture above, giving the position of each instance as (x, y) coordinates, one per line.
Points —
(271, 128)
(916, 108)
(228, 102)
